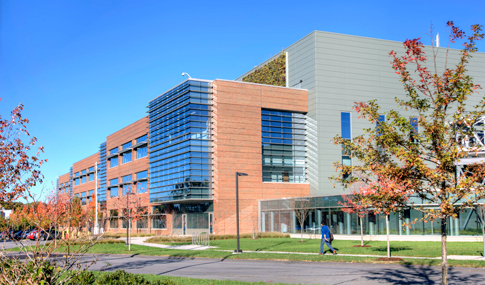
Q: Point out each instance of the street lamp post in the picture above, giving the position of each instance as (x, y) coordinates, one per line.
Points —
(96, 224)
(237, 209)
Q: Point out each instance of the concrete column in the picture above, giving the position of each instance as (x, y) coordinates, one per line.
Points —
(408, 230)
(340, 227)
(400, 225)
(371, 228)
(319, 218)
(293, 216)
(263, 222)
(272, 221)
(457, 227)
(450, 226)
(348, 222)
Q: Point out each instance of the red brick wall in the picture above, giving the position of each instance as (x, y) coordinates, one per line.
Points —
(237, 147)
(65, 178)
(81, 165)
(127, 134)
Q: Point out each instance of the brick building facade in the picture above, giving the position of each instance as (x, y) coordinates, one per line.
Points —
(179, 163)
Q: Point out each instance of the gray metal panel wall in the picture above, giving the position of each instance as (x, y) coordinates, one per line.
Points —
(350, 69)
(338, 70)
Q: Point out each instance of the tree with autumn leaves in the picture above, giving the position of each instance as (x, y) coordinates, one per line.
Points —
(19, 168)
(396, 163)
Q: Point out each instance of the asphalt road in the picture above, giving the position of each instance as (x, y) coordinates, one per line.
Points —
(287, 272)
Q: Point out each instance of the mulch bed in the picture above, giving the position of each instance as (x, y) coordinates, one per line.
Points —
(361, 245)
(390, 259)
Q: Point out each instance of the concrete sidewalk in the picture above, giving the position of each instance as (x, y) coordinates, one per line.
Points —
(141, 241)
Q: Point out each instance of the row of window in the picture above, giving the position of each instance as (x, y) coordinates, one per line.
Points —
(141, 187)
(128, 144)
(127, 156)
(83, 179)
(83, 172)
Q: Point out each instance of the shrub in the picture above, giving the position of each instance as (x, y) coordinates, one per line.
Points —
(120, 277)
(83, 277)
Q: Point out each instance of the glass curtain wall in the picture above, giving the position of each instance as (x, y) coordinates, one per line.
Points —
(279, 216)
(180, 149)
(283, 143)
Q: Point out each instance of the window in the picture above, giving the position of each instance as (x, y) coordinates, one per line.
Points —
(113, 151)
(113, 181)
(126, 157)
(142, 174)
(141, 139)
(126, 189)
(91, 195)
(83, 179)
(382, 118)
(141, 152)
(76, 174)
(142, 186)
(91, 169)
(76, 181)
(84, 200)
(113, 219)
(159, 222)
(127, 178)
(283, 145)
(414, 123)
(126, 145)
(346, 127)
(83, 172)
(113, 162)
(142, 223)
(91, 177)
(113, 192)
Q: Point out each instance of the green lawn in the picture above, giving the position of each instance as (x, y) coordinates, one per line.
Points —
(398, 248)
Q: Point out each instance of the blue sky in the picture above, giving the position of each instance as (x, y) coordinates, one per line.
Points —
(85, 69)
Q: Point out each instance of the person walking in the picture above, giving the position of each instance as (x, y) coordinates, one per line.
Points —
(326, 239)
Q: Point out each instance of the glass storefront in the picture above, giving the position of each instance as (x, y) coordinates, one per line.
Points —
(280, 216)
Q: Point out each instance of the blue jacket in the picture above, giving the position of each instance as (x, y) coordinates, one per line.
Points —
(325, 231)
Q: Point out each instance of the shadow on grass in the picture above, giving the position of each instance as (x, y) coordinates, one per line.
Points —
(408, 274)
(393, 248)
(272, 246)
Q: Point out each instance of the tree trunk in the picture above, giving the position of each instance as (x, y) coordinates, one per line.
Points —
(301, 231)
(387, 230)
(361, 232)
(444, 261)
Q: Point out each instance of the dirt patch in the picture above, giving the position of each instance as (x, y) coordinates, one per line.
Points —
(390, 259)
(361, 245)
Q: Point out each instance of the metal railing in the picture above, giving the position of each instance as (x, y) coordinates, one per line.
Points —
(202, 238)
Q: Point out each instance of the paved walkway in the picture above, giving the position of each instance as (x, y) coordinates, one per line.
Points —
(141, 241)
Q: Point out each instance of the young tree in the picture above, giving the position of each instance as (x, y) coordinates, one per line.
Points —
(20, 170)
(423, 163)
(302, 211)
(353, 206)
(133, 207)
